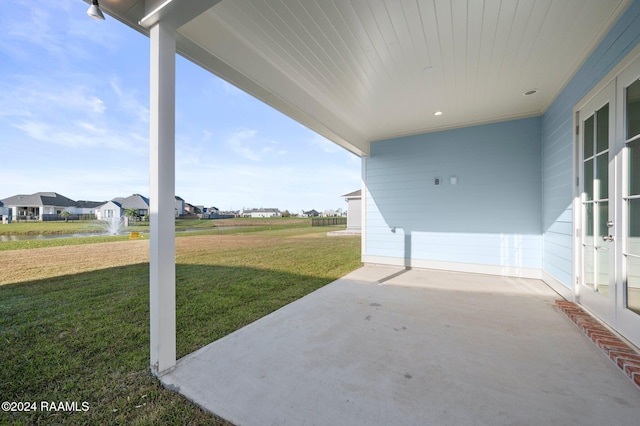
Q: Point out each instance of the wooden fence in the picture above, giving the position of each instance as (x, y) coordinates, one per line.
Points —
(328, 221)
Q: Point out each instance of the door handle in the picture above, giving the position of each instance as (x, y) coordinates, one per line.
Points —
(607, 238)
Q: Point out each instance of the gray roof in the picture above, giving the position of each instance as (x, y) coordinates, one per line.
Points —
(135, 201)
(39, 199)
(354, 194)
(88, 204)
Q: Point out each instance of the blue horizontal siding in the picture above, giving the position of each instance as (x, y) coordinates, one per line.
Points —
(557, 143)
(491, 217)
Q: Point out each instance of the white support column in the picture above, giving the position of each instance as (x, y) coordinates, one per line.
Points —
(162, 270)
(363, 206)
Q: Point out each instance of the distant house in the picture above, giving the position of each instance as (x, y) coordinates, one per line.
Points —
(109, 210)
(117, 207)
(84, 207)
(191, 209)
(135, 201)
(3, 210)
(354, 210)
(261, 213)
(179, 206)
(37, 206)
(227, 214)
(310, 213)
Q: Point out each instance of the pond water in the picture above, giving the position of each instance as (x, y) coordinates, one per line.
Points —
(4, 238)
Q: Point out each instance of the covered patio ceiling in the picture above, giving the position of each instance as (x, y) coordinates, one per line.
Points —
(364, 70)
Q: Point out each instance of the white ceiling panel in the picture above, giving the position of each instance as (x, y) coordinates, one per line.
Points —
(354, 70)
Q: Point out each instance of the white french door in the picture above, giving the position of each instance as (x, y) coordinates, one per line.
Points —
(609, 204)
(598, 210)
(628, 127)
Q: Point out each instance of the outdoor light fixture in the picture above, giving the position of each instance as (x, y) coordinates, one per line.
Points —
(94, 10)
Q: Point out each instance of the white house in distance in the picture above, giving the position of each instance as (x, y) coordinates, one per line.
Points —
(179, 207)
(261, 213)
(37, 206)
(109, 210)
(495, 137)
(4, 213)
(118, 206)
(354, 210)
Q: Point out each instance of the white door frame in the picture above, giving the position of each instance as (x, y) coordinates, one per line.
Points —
(621, 319)
(601, 305)
(627, 322)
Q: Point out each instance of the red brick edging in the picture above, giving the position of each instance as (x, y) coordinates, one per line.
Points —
(622, 355)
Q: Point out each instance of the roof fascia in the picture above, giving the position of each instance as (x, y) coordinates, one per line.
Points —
(174, 13)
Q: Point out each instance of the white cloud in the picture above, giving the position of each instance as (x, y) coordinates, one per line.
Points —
(325, 144)
(246, 144)
(30, 95)
(129, 102)
(59, 29)
(72, 115)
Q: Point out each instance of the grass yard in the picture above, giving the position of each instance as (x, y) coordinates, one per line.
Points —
(74, 320)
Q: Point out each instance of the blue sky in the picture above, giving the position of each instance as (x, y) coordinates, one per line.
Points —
(74, 107)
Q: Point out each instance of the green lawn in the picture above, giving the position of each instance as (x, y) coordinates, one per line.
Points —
(85, 337)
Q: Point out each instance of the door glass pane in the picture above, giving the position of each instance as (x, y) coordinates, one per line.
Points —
(588, 179)
(603, 218)
(602, 279)
(633, 109)
(602, 124)
(588, 137)
(602, 176)
(633, 263)
(634, 167)
(633, 284)
(588, 267)
(633, 240)
(588, 223)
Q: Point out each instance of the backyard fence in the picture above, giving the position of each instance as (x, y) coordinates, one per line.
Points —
(328, 221)
(57, 217)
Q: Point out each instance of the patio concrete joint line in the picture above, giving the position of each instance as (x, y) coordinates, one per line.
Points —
(623, 355)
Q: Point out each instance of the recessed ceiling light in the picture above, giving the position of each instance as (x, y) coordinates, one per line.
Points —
(437, 113)
(530, 92)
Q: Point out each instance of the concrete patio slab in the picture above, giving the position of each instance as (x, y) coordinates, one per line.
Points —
(424, 348)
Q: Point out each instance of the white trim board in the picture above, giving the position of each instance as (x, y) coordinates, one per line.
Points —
(562, 290)
(507, 271)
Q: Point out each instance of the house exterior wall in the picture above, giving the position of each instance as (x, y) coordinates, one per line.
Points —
(557, 144)
(102, 211)
(354, 213)
(261, 214)
(491, 217)
(179, 207)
